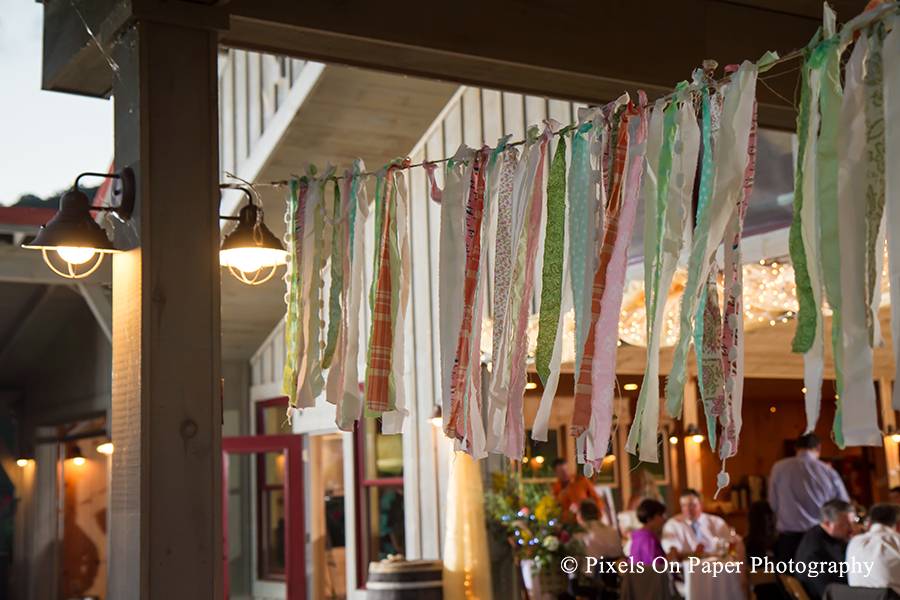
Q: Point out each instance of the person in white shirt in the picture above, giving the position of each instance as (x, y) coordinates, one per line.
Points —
(599, 540)
(694, 532)
(880, 547)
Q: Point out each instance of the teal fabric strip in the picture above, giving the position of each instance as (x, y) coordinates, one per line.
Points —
(875, 143)
(579, 218)
(827, 57)
(337, 280)
(807, 315)
(552, 272)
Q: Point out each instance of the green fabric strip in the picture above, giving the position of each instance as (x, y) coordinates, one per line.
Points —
(394, 248)
(290, 331)
(337, 280)
(807, 315)
(316, 381)
(552, 272)
(827, 57)
(875, 142)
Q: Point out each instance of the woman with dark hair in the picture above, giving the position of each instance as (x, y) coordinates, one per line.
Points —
(645, 544)
(760, 543)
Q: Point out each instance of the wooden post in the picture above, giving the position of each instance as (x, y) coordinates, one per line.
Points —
(166, 486)
(888, 419)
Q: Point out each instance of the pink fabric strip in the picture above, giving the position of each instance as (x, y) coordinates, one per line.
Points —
(603, 376)
(515, 420)
(436, 192)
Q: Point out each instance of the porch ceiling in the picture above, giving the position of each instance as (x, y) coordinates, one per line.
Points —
(349, 113)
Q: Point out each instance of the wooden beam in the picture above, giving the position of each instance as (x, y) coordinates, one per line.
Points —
(442, 41)
(166, 483)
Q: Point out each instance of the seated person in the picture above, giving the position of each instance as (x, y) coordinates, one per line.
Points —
(645, 544)
(880, 547)
(692, 533)
(825, 542)
(600, 542)
(569, 491)
(894, 495)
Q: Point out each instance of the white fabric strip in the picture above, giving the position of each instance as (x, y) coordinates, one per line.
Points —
(305, 396)
(351, 400)
(452, 264)
(860, 415)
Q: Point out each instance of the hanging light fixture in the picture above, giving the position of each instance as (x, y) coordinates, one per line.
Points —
(74, 235)
(437, 416)
(77, 457)
(694, 433)
(251, 251)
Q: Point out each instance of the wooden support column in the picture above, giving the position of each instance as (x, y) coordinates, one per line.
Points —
(889, 419)
(166, 484)
(691, 448)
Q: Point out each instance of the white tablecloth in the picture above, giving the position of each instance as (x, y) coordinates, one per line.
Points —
(703, 586)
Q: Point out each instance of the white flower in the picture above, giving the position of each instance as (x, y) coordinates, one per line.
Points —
(551, 543)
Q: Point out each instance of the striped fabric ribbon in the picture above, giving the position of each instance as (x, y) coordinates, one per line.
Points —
(581, 417)
(379, 376)
(458, 425)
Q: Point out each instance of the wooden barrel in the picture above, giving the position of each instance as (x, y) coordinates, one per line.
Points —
(405, 580)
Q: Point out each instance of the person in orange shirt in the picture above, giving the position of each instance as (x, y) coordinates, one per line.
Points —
(569, 491)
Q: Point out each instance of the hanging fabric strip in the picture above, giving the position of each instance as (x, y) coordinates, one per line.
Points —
(337, 280)
(350, 408)
(514, 435)
(860, 424)
(654, 214)
(806, 313)
(603, 375)
(380, 384)
(522, 172)
(581, 417)
(294, 335)
(709, 353)
(334, 383)
(731, 162)
(874, 112)
(580, 261)
(826, 58)
(452, 267)
(554, 249)
(805, 254)
(733, 322)
(892, 184)
(309, 372)
(675, 232)
(457, 426)
(401, 270)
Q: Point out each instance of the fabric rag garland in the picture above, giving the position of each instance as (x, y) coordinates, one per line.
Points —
(700, 142)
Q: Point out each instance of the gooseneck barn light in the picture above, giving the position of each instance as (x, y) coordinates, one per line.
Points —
(74, 234)
(251, 251)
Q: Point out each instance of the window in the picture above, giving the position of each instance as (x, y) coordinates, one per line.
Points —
(270, 420)
(379, 481)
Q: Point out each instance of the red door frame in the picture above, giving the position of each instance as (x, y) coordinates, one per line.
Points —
(291, 446)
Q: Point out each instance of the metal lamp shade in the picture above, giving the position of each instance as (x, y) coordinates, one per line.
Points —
(251, 235)
(72, 227)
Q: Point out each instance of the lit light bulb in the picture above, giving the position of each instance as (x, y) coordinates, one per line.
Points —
(803, 390)
(772, 409)
(22, 462)
(249, 260)
(539, 460)
(673, 440)
(437, 422)
(74, 255)
(697, 438)
(530, 385)
(630, 386)
(106, 448)
(896, 438)
(78, 460)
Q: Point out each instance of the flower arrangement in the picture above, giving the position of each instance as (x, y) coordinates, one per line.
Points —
(530, 517)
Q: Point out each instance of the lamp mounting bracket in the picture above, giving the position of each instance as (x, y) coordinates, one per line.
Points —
(122, 194)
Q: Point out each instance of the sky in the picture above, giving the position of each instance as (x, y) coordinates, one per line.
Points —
(46, 138)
